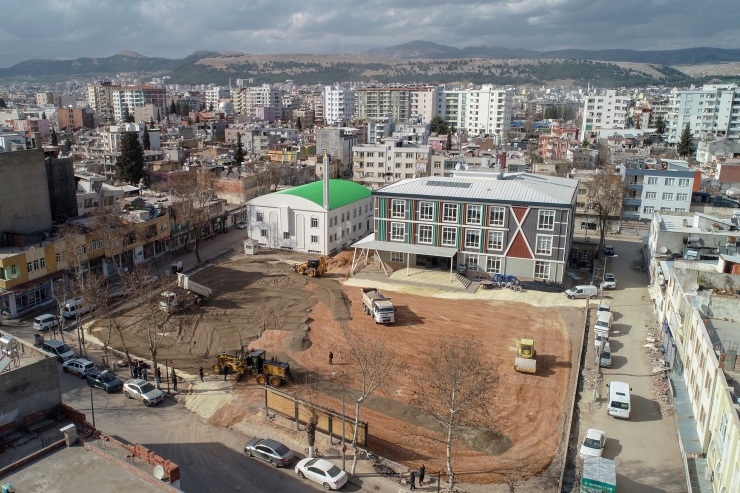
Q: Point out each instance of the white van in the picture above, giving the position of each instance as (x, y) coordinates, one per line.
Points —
(604, 321)
(58, 349)
(71, 307)
(619, 400)
(584, 291)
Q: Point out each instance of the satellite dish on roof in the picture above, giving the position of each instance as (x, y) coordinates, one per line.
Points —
(663, 250)
(694, 286)
(159, 472)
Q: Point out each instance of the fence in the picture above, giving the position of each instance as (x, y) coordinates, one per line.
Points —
(296, 409)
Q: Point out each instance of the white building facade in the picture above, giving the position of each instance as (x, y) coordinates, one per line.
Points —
(654, 190)
(712, 111)
(214, 95)
(339, 104)
(605, 111)
(258, 96)
(376, 165)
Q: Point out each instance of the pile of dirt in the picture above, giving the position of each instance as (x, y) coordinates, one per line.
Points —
(297, 340)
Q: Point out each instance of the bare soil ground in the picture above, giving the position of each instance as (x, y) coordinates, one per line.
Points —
(263, 304)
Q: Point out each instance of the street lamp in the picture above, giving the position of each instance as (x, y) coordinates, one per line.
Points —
(335, 373)
(602, 277)
(92, 406)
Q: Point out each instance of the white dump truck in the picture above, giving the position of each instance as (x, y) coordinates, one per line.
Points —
(377, 305)
(193, 292)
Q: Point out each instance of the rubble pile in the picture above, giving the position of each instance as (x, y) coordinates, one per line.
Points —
(656, 357)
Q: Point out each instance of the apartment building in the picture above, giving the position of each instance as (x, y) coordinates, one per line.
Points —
(216, 94)
(71, 118)
(517, 224)
(53, 99)
(425, 103)
(338, 142)
(375, 165)
(665, 186)
(114, 136)
(125, 99)
(453, 107)
(555, 145)
(339, 104)
(100, 100)
(488, 111)
(712, 111)
(379, 128)
(607, 110)
(265, 95)
(376, 102)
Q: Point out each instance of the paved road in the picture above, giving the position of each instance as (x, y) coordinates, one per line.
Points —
(645, 447)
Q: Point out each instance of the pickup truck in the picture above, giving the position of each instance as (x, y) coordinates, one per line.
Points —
(377, 305)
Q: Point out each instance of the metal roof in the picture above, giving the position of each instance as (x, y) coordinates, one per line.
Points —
(392, 246)
(522, 188)
(341, 192)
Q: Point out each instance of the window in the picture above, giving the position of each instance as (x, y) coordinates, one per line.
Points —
(682, 196)
(59, 257)
(426, 211)
(96, 245)
(493, 265)
(343, 216)
(541, 270)
(354, 212)
(43, 263)
(496, 216)
(472, 238)
(667, 196)
(544, 245)
(449, 236)
(396, 257)
(314, 222)
(669, 182)
(314, 239)
(471, 261)
(286, 235)
(29, 266)
(648, 209)
(259, 216)
(449, 213)
(398, 232)
(651, 195)
(263, 233)
(473, 214)
(495, 240)
(425, 235)
(683, 182)
(546, 220)
(652, 180)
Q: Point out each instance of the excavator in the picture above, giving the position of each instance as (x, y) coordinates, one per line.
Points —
(315, 267)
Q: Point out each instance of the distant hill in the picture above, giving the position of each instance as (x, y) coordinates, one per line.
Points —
(127, 61)
(429, 50)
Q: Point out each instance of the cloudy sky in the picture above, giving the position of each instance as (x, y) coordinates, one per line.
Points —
(64, 29)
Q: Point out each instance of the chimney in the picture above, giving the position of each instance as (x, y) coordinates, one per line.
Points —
(326, 180)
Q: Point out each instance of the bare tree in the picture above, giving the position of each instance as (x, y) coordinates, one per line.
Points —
(604, 158)
(374, 362)
(515, 472)
(456, 385)
(605, 194)
(310, 411)
(194, 195)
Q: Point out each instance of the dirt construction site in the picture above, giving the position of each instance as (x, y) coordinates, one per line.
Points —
(259, 302)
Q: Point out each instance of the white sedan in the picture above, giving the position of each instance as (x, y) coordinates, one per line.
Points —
(323, 472)
(79, 366)
(241, 225)
(593, 444)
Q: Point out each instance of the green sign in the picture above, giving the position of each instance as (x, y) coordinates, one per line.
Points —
(593, 486)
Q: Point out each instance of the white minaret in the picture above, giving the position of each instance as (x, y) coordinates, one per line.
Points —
(326, 180)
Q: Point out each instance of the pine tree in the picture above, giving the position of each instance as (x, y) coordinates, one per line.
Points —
(210, 107)
(43, 115)
(448, 144)
(54, 140)
(685, 146)
(125, 115)
(298, 124)
(2, 103)
(145, 139)
(585, 143)
(131, 161)
(239, 154)
(173, 108)
(67, 144)
(660, 125)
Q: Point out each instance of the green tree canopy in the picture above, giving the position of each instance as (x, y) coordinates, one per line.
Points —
(448, 144)
(239, 154)
(43, 115)
(660, 125)
(585, 143)
(439, 125)
(145, 139)
(131, 161)
(2, 103)
(173, 108)
(54, 140)
(298, 123)
(685, 146)
(184, 109)
(67, 144)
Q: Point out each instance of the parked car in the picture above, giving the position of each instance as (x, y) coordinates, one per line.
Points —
(323, 472)
(45, 322)
(272, 451)
(241, 225)
(79, 366)
(604, 308)
(583, 291)
(608, 250)
(593, 444)
(610, 282)
(104, 380)
(58, 349)
(143, 391)
(606, 356)
(599, 338)
(71, 308)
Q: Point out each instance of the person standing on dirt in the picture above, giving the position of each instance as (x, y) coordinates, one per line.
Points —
(200, 373)
(132, 367)
(158, 375)
(412, 480)
(136, 370)
(331, 358)
(422, 472)
(143, 374)
(174, 381)
(226, 371)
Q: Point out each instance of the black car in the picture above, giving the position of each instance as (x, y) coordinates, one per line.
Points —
(104, 380)
(609, 250)
(272, 451)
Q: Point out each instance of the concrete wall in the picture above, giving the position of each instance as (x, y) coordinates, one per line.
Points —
(24, 193)
(60, 176)
(29, 389)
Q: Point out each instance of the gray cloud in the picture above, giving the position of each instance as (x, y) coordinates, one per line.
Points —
(63, 29)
